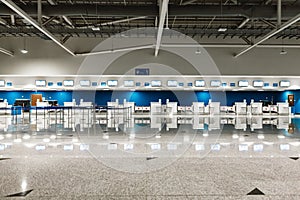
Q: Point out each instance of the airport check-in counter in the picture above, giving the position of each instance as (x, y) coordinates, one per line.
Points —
(213, 108)
(156, 107)
(171, 123)
(283, 108)
(241, 123)
(171, 107)
(283, 122)
(256, 123)
(256, 108)
(198, 107)
(5, 108)
(241, 108)
(156, 122)
(198, 122)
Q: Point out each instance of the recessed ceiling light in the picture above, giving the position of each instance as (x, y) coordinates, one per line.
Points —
(95, 28)
(222, 29)
(283, 52)
(24, 51)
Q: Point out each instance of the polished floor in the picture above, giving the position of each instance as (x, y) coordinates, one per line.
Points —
(150, 157)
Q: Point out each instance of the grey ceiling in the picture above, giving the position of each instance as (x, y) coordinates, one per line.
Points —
(196, 18)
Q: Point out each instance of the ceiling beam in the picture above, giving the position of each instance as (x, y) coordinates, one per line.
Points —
(122, 20)
(23, 14)
(250, 11)
(39, 11)
(268, 23)
(162, 19)
(52, 2)
(13, 20)
(69, 21)
(271, 34)
(188, 2)
(278, 13)
(243, 23)
(3, 22)
(9, 53)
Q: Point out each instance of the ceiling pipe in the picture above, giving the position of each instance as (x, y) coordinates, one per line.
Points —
(116, 50)
(9, 53)
(162, 18)
(278, 13)
(122, 20)
(39, 11)
(23, 14)
(271, 34)
(188, 2)
(149, 46)
(244, 23)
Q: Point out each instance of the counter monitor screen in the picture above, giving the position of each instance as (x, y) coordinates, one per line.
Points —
(284, 83)
(266, 84)
(172, 83)
(94, 84)
(258, 83)
(68, 83)
(138, 84)
(190, 84)
(103, 84)
(215, 83)
(59, 84)
(129, 83)
(84, 83)
(181, 84)
(2, 83)
(40, 83)
(146, 84)
(232, 84)
(243, 83)
(275, 84)
(112, 83)
(224, 84)
(50, 84)
(200, 83)
(155, 83)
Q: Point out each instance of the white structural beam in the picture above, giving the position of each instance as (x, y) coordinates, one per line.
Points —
(69, 21)
(13, 20)
(271, 34)
(52, 2)
(9, 53)
(122, 20)
(162, 18)
(23, 14)
(3, 22)
(244, 23)
(39, 11)
(188, 2)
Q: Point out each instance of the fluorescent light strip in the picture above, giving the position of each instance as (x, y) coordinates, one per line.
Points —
(23, 14)
(6, 52)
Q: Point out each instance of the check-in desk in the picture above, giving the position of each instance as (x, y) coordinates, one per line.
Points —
(5, 108)
(241, 123)
(241, 108)
(198, 122)
(156, 122)
(156, 108)
(283, 122)
(283, 108)
(214, 123)
(171, 107)
(256, 108)
(171, 123)
(214, 107)
(256, 123)
(198, 107)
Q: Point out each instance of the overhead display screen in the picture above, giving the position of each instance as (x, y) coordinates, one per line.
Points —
(68, 83)
(258, 83)
(284, 83)
(40, 83)
(129, 83)
(200, 83)
(155, 83)
(142, 71)
(215, 83)
(243, 83)
(2, 83)
(84, 83)
(172, 83)
(112, 83)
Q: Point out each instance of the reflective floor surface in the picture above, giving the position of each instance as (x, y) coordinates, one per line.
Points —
(150, 157)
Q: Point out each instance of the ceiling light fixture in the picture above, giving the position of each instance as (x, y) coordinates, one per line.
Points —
(222, 29)
(24, 50)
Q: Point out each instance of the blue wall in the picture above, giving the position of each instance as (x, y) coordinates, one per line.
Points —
(143, 98)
